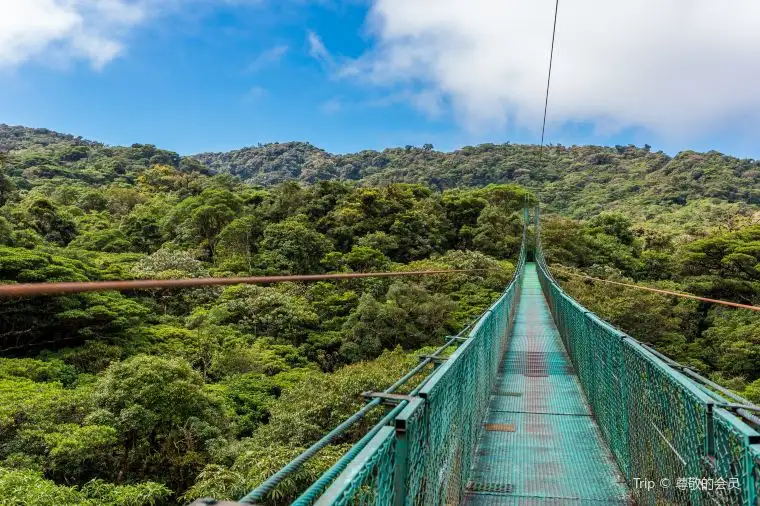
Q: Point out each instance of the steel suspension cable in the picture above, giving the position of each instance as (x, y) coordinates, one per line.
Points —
(33, 289)
(660, 291)
(549, 78)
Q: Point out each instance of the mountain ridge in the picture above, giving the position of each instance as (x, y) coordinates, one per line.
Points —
(579, 181)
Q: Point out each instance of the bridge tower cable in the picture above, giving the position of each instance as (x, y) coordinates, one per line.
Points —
(549, 79)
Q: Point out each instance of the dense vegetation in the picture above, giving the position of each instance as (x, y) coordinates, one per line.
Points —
(158, 397)
(578, 181)
(163, 396)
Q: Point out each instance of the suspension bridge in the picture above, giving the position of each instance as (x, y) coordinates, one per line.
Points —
(542, 402)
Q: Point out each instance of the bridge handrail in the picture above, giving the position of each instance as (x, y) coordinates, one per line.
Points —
(664, 424)
(378, 455)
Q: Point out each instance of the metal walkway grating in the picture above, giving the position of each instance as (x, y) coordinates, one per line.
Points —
(555, 454)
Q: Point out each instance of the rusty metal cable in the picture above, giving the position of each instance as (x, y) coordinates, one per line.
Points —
(663, 292)
(35, 289)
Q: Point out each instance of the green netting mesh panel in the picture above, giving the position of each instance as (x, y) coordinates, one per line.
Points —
(667, 423)
(658, 423)
(595, 349)
(732, 460)
(370, 479)
(456, 402)
(415, 443)
(603, 349)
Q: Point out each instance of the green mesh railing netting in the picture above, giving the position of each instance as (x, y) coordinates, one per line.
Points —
(672, 438)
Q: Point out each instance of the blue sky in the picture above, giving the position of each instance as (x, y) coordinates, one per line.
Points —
(346, 75)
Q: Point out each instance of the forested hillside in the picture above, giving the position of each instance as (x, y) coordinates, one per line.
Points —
(163, 396)
(577, 181)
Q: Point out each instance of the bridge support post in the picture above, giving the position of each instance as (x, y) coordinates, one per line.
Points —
(403, 425)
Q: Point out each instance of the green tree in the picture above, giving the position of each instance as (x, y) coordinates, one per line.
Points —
(419, 232)
(6, 184)
(163, 416)
(50, 222)
(614, 224)
(293, 246)
(238, 242)
(142, 226)
(261, 311)
(109, 240)
(411, 317)
(198, 220)
(462, 210)
(498, 234)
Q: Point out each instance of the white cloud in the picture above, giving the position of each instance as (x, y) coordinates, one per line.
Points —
(58, 31)
(268, 57)
(63, 29)
(673, 67)
(318, 51)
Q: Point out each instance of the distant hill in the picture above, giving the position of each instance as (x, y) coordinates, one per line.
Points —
(37, 156)
(18, 137)
(579, 181)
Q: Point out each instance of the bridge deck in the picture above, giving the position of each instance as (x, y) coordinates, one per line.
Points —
(541, 444)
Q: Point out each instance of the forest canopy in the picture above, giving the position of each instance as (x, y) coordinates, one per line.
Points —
(163, 396)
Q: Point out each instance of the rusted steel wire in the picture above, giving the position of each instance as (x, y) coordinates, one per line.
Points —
(664, 292)
(34, 289)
